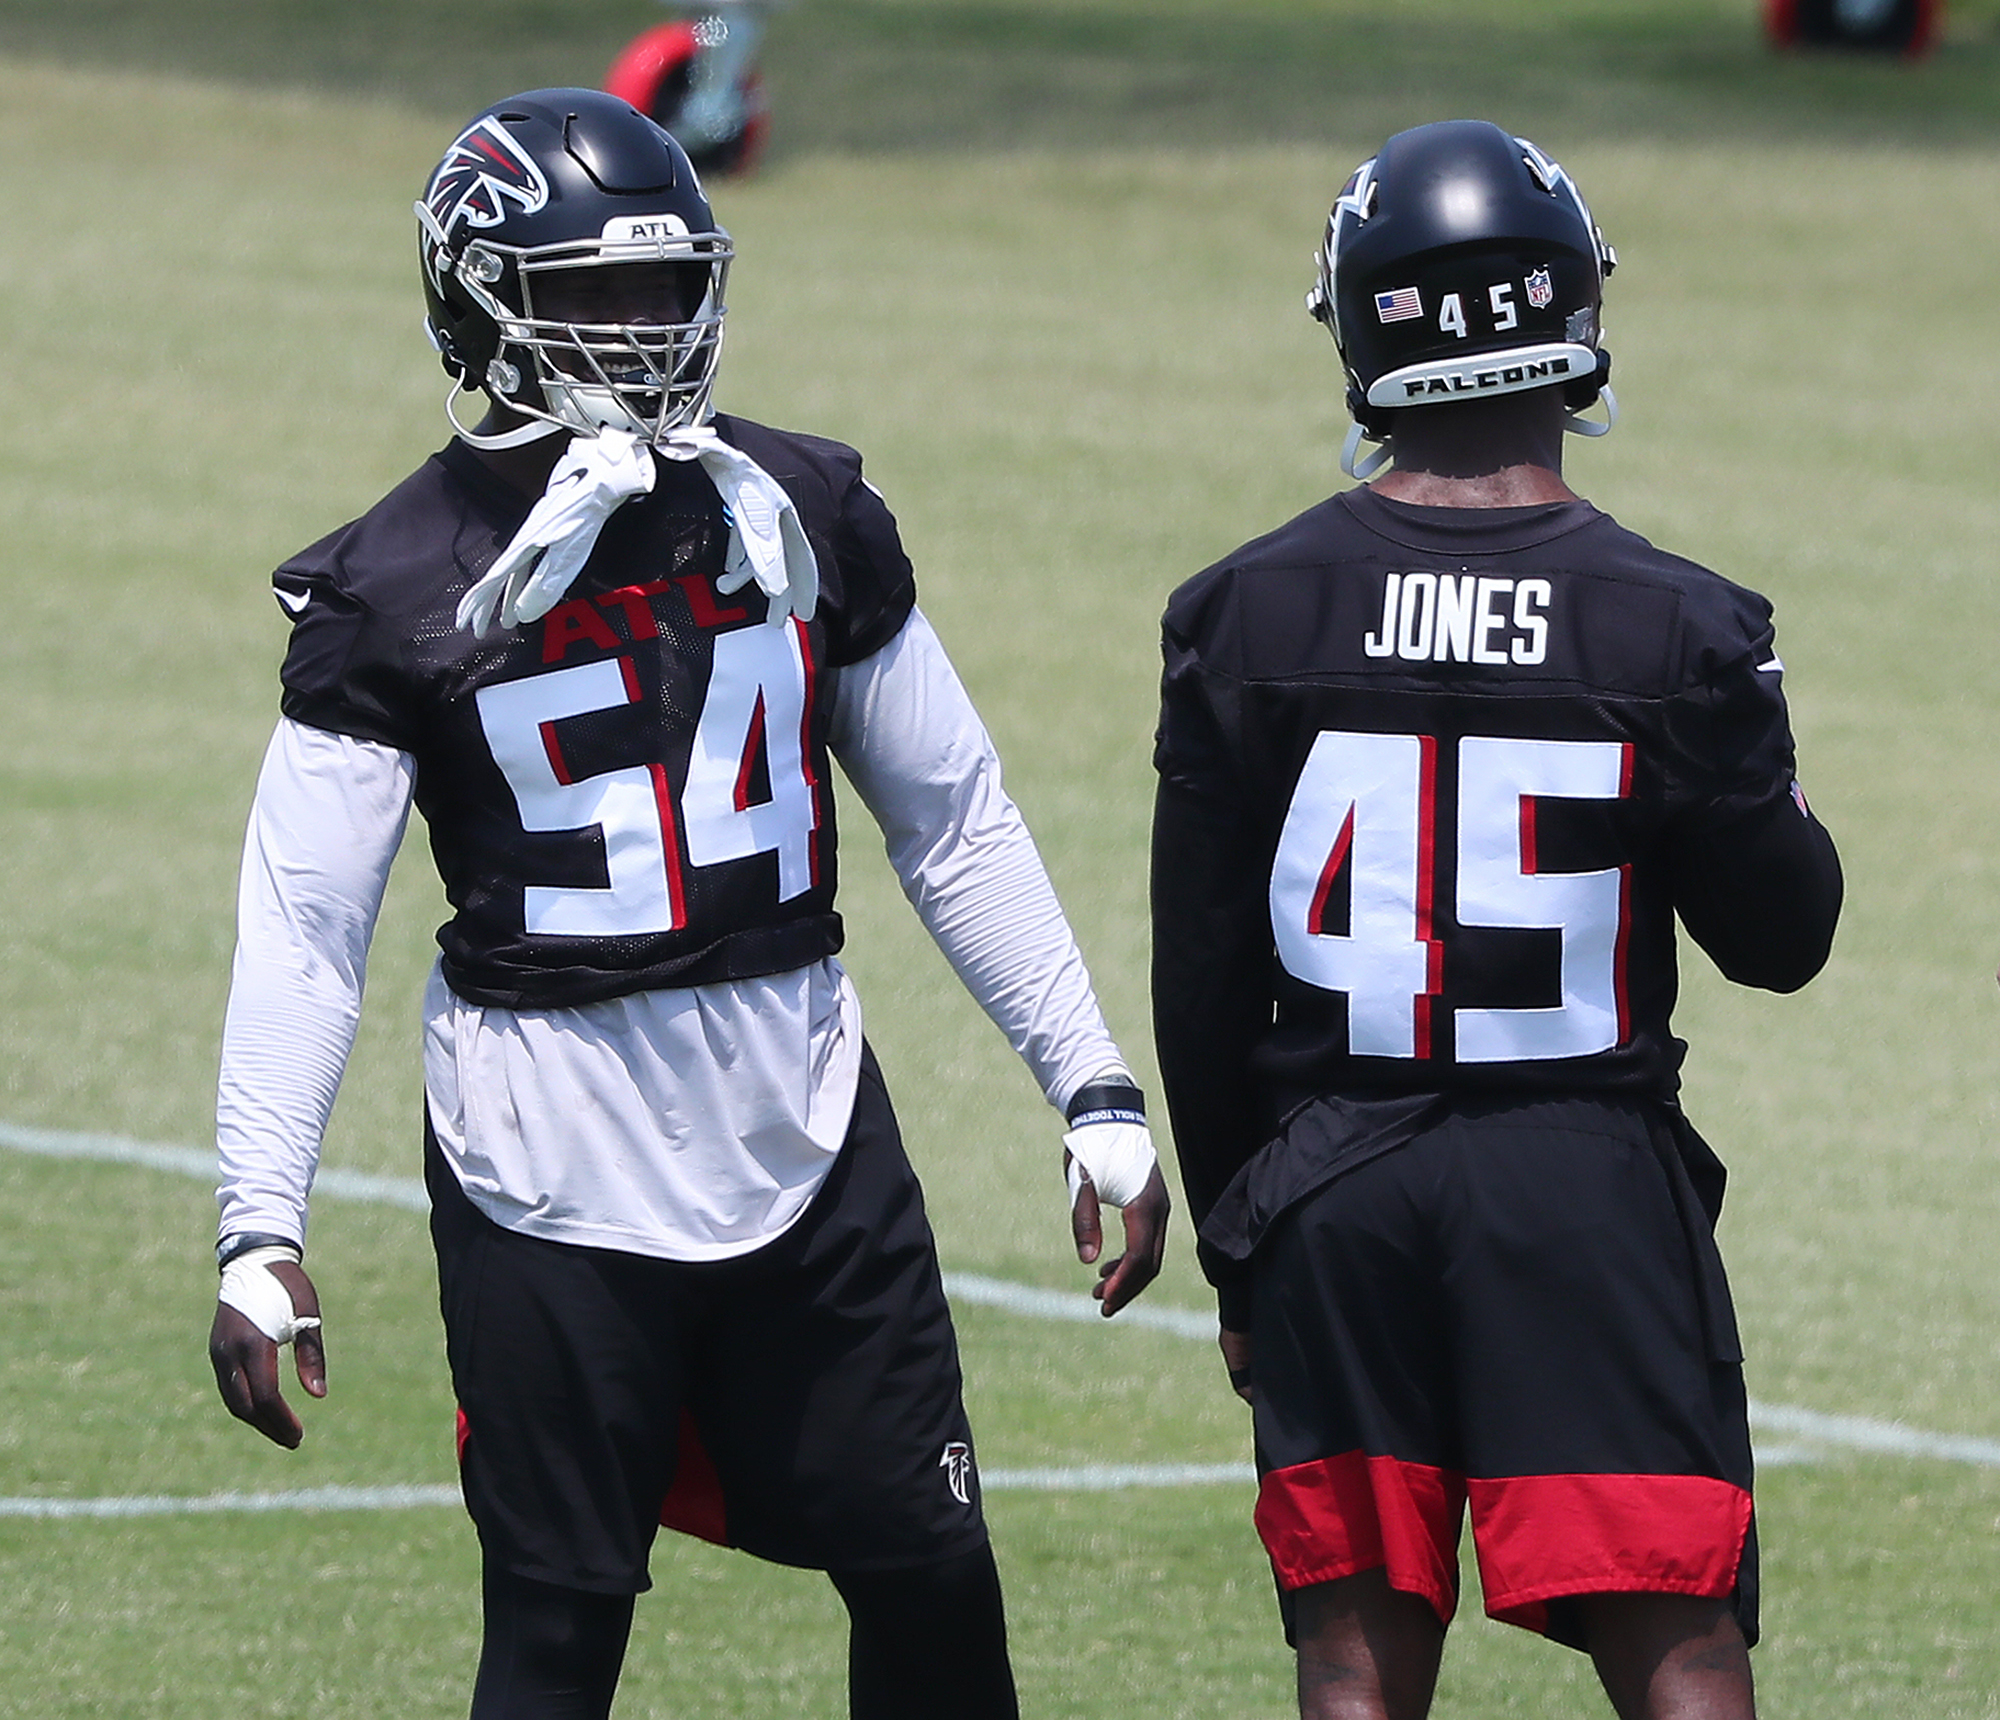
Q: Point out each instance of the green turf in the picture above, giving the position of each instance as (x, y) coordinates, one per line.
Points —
(1006, 74)
(1079, 369)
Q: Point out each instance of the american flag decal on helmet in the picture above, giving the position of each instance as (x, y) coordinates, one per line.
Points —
(481, 174)
(1399, 306)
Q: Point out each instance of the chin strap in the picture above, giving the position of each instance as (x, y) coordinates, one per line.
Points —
(532, 431)
(1363, 470)
(1578, 425)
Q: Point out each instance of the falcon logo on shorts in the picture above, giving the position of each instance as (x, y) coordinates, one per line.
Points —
(957, 1466)
(481, 174)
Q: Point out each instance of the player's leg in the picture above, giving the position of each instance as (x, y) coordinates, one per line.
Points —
(1366, 1651)
(564, 1362)
(1669, 1657)
(1361, 1493)
(825, 1386)
(548, 1653)
(928, 1642)
(1604, 1392)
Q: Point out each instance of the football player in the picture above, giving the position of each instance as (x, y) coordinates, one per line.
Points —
(608, 640)
(1440, 762)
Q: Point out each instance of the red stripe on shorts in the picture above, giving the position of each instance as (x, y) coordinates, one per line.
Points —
(1339, 1515)
(1540, 1537)
(694, 1504)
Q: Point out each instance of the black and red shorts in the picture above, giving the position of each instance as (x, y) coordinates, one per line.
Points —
(1521, 1311)
(801, 1403)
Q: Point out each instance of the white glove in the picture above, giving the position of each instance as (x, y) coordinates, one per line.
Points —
(767, 542)
(596, 477)
(253, 1290)
(1109, 1143)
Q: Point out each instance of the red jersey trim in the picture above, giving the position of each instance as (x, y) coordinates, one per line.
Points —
(1541, 1537)
(1340, 1515)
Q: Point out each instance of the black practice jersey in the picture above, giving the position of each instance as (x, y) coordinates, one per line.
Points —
(1434, 785)
(633, 791)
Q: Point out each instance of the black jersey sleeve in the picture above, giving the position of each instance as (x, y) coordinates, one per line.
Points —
(362, 599)
(1211, 982)
(867, 586)
(878, 585)
(341, 668)
(1756, 877)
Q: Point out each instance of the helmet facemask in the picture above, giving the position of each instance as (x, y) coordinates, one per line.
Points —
(647, 375)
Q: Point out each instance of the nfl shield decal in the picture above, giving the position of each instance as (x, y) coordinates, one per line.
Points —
(1541, 290)
(481, 173)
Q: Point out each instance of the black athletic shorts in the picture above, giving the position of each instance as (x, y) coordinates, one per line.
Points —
(1521, 1310)
(801, 1402)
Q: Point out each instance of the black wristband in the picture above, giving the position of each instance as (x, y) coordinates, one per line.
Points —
(243, 1241)
(1106, 1102)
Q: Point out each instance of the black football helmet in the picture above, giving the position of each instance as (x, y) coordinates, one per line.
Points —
(1462, 263)
(541, 186)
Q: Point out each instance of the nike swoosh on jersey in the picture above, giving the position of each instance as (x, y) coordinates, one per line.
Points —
(295, 601)
(1774, 667)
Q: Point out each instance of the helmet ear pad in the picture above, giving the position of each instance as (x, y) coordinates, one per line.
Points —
(466, 337)
(1581, 395)
(1374, 420)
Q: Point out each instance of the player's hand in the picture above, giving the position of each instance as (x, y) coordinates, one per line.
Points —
(1121, 1279)
(1235, 1348)
(269, 1301)
(1108, 1157)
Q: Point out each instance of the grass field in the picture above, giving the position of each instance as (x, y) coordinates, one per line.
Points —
(1042, 260)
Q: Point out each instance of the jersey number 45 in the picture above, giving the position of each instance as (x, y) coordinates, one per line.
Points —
(1366, 805)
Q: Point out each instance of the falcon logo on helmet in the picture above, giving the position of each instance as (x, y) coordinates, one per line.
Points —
(482, 172)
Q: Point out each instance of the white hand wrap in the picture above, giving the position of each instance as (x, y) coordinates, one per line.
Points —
(1117, 1157)
(591, 482)
(253, 1290)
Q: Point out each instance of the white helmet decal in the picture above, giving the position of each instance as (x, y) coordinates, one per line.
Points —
(482, 172)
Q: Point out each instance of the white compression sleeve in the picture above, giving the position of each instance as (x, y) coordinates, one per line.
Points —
(327, 820)
(907, 735)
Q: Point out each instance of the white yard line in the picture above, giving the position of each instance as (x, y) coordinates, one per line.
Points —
(1810, 1432)
(1096, 1478)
